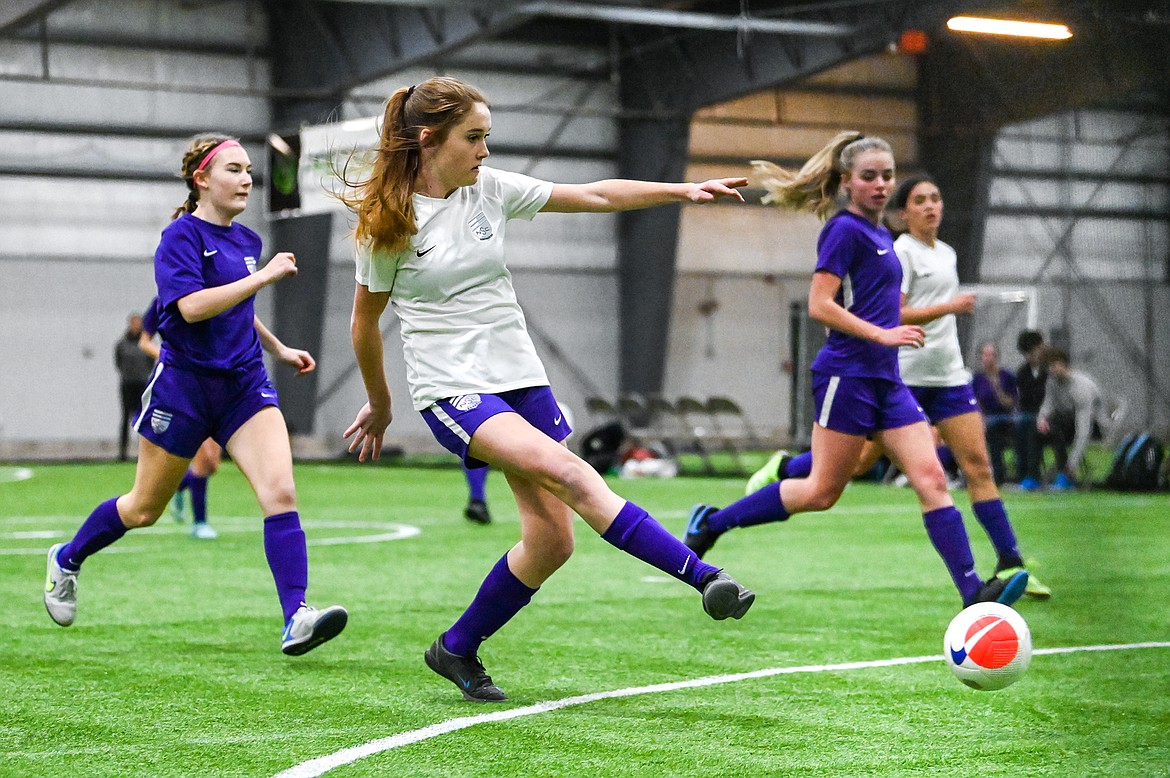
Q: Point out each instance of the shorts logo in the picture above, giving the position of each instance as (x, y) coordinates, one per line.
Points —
(480, 226)
(160, 420)
(466, 402)
(251, 263)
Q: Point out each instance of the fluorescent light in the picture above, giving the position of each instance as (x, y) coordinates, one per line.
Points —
(1008, 27)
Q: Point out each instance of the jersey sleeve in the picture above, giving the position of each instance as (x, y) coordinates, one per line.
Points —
(178, 267)
(835, 249)
(906, 259)
(150, 318)
(375, 270)
(522, 196)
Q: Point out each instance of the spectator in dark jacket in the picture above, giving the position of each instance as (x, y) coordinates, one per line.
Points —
(1030, 381)
(133, 370)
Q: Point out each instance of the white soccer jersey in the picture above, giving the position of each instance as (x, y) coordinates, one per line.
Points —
(930, 276)
(462, 329)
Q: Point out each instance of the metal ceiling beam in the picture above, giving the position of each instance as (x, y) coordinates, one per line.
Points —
(106, 40)
(688, 20)
(152, 132)
(323, 50)
(17, 13)
(637, 15)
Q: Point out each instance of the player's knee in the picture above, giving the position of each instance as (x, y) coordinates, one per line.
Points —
(279, 496)
(824, 496)
(929, 480)
(573, 477)
(137, 515)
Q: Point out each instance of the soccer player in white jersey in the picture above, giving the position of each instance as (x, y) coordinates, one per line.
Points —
(936, 374)
(431, 225)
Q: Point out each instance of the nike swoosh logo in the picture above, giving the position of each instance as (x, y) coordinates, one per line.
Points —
(209, 253)
(961, 654)
(423, 253)
(883, 252)
(463, 683)
(684, 567)
(557, 420)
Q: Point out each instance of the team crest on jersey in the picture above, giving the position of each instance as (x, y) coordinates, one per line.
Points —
(481, 226)
(160, 421)
(466, 402)
(251, 263)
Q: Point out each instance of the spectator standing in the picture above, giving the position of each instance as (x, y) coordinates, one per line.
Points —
(1031, 378)
(133, 371)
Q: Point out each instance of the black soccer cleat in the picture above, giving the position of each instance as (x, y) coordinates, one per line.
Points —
(724, 598)
(477, 512)
(466, 672)
(1002, 590)
(700, 537)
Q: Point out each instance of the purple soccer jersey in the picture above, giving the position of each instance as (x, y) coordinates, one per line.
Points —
(151, 317)
(194, 255)
(861, 254)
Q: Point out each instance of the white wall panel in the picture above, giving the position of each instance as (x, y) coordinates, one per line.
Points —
(1021, 248)
(90, 219)
(740, 350)
(1076, 194)
(240, 22)
(747, 239)
(89, 106)
(1055, 155)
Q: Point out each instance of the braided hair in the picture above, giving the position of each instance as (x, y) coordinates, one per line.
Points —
(197, 150)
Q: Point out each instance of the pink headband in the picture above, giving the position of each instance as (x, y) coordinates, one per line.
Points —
(227, 144)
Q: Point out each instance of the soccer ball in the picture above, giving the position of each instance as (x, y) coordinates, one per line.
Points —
(988, 646)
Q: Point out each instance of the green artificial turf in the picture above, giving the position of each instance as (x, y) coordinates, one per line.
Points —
(173, 666)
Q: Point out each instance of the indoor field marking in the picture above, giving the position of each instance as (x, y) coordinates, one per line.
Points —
(10, 475)
(227, 524)
(323, 764)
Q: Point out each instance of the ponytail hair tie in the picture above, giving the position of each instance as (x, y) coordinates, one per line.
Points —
(409, 92)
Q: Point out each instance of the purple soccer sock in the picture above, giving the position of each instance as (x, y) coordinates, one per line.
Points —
(637, 533)
(799, 466)
(476, 481)
(949, 536)
(186, 482)
(500, 597)
(993, 516)
(99, 530)
(197, 486)
(758, 507)
(284, 545)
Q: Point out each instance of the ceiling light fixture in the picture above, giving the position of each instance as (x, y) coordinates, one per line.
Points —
(1009, 27)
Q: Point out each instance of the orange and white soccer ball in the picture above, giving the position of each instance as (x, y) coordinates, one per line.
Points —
(988, 646)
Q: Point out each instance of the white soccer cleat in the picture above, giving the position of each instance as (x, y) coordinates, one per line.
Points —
(309, 628)
(60, 590)
(204, 531)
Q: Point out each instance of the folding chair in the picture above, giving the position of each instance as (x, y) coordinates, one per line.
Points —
(635, 415)
(732, 428)
(697, 422)
(666, 424)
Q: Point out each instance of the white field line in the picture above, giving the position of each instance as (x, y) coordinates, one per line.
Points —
(10, 475)
(323, 764)
(387, 531)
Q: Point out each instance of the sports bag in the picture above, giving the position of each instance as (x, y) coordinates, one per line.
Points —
(1136, 463)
